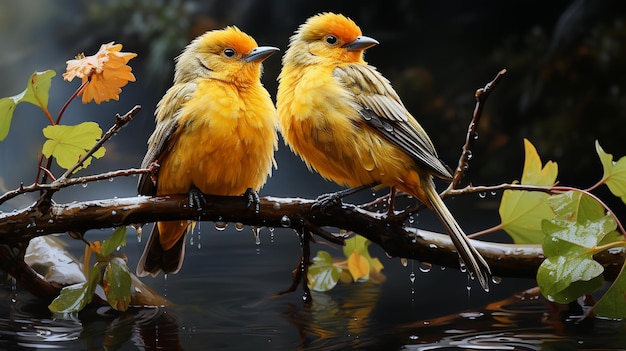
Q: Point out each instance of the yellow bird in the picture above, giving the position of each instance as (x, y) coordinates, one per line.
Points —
(346, 121)
(216, 130)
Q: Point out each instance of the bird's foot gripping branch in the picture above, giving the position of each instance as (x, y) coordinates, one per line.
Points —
(566, 237)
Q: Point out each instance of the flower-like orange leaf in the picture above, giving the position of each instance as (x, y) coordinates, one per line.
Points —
(106, 73)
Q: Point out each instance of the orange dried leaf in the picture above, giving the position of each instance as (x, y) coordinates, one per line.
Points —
(358, 266)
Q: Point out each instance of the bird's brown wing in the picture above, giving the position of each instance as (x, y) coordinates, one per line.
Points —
(167, 117)
(382, 110)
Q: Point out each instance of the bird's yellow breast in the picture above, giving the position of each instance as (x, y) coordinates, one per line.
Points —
(319, 119)
(224, 142)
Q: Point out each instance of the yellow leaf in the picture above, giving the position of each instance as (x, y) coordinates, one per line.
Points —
(533, 173)
(358, 266)
(614, 172)
(522, 212)
(68, 143)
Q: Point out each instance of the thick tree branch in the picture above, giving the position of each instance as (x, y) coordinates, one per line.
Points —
(506, 260)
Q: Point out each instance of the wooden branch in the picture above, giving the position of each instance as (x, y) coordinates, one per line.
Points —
(506, 260)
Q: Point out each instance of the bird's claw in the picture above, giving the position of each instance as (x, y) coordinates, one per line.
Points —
(253, 199)
(196, 199)
(325, 201)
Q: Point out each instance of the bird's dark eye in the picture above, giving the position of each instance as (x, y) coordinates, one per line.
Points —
(229, 52)
(331, 39)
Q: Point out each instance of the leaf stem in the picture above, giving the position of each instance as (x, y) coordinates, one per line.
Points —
(486, 231)
(611, 245)
(67, 103)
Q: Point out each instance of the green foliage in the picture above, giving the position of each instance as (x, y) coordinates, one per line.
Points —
(359, 265)
(614, 173)
(323, 274)
(75, 297)
(572, 227)
(522, 212)
(117, 284)
(578, 226)
(613, 303)
(36, 93)
(68, 143)
(109, 270)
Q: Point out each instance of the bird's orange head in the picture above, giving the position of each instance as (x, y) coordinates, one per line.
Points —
(228, 54)
(328, 38)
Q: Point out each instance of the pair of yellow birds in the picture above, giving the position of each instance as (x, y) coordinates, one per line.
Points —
(216, 127)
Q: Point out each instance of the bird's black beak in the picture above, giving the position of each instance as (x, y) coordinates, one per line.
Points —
(260, 53)
(360, 43)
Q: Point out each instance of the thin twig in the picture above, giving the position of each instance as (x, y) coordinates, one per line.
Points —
(471, 136)
(63, 183)
(120, 122)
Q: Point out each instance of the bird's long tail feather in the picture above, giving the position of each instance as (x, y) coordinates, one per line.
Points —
(472, 259)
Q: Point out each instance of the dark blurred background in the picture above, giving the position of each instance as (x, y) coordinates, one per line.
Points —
(565, 85)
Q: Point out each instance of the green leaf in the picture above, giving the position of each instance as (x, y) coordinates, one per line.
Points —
(522, 212)
(569, 272)
(36, 93)
(613, 303)
(323, 275)
(75, 297)
(117, 284)
(614, 173)
(117, 239)
(572, 236)
(37, 90)
(68, 143)
(72, 298)
(7, 107)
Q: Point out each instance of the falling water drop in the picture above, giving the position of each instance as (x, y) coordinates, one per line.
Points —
(13, 290)
(425, 267)
(404, 262)
(462, 266)
(221, 225)
(113, 213)
(412, 277)
(271, 229)
(199, 245)
(257, 237)
(496, 280)
(285, 221)
(165, 285)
